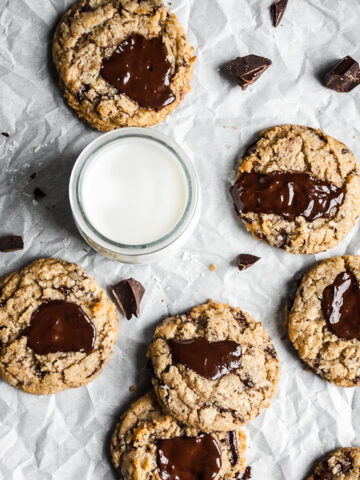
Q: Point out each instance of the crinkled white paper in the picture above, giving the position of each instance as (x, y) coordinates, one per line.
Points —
(66, 436)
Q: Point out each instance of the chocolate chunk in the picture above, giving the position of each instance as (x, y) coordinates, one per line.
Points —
(246, 70)
(38, 194)
(139, 68)
(233, 444)
(190, 458)
(81, 92)
(5, 134)
(247, 474)
(245, 260)
(33, 175)
(60, 326)
(128, 294)
(277, 11)
(341, 306)
(344, 77)
(287, 194)
(11, 243)
(211, 360)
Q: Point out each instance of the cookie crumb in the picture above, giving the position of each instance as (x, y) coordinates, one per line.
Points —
(212, 267)
(132, 388)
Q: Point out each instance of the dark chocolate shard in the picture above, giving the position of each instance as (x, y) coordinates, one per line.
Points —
(277, 11)
(33, 175)
(247, 474)
(5, 134)
(344, 76)
(38, 194)
(245, 260)
(11, 243)
(128, 294)
(246, 70)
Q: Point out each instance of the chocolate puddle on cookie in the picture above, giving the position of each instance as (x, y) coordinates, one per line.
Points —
(60, 326)
(139, 69)
(211, 360)
(189, 458)
(288, 194)
(341, 306)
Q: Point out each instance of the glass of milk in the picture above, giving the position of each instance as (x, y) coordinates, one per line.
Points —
(134, 195)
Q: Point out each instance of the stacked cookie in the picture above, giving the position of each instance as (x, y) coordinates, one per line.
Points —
(214, 370)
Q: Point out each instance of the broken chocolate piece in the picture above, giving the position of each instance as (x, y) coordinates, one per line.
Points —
(38, 194)
(128, 294)
(344, 76)
(11, 243)
(245, 260)
(5, 134)
(246, 70)
(277, 11)
(247, 474)
(33, 175)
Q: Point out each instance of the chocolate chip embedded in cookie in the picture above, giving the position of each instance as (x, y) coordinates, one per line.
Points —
(147, 443)
(324, 320)
(214, 368)
(57, 327)
(297, 189)
(122, 62)
(343, 464)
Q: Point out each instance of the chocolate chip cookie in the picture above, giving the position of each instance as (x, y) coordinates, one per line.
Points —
(122, 62)
(214, 368)
(147, 443)
(297, 189)
(324, 320)
(343, 464)
(57, 327)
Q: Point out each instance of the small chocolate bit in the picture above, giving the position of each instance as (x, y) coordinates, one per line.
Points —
(245, 260)
(5, 134)
(38, 194)
(344, 76)
(81, 92)
(233, 444)
(247, 474)
(33, 175)
(11, 243)
(128, 294)
(277, 11)
(246, 70)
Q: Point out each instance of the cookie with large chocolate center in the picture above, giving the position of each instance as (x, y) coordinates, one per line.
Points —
(150, 444)
(214, 368)
(297, 189)
(57, 327)
(343, 464)
(324, 320)
(122, 62)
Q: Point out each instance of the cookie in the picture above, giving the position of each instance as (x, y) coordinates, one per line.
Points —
(343, 464)
(57, 327)
(122, 63)
(324, 320)
(297, 189)
(147, 443)
(214, 368)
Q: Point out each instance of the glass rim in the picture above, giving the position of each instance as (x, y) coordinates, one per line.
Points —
(77, 175)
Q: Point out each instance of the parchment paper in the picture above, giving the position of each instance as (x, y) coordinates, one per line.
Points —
(66, 436)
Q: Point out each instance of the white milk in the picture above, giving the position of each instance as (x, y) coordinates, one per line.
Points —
(134, 191)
